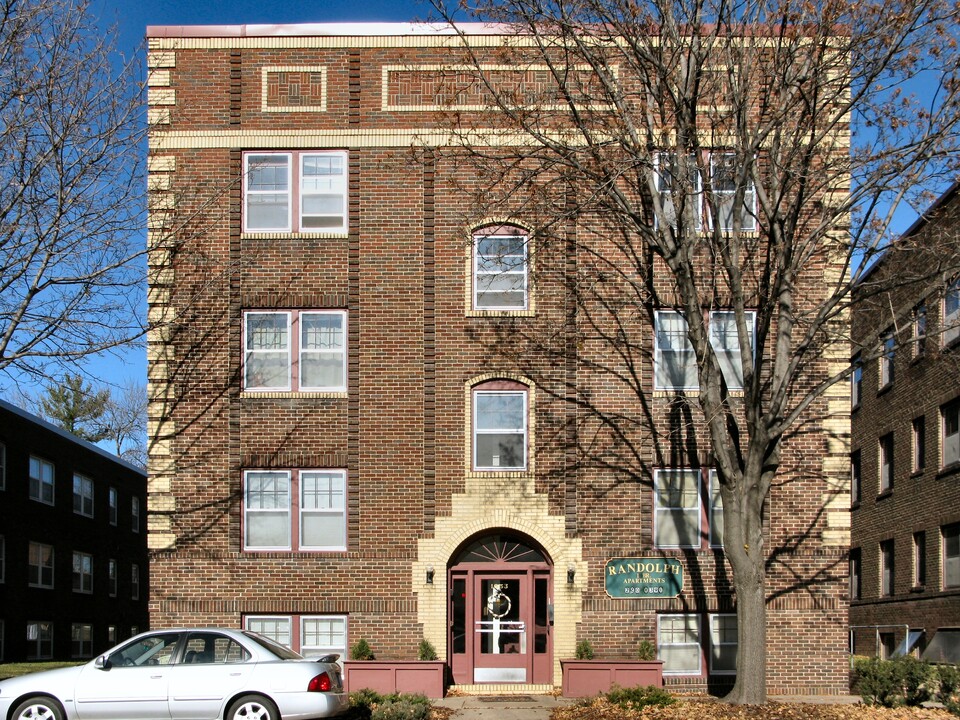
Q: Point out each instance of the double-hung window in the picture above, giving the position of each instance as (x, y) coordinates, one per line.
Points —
(82, 572)
(716, 511)
(40, 565)
(500, 270)
(950, 434)
(919, 330)
(856, 381)
(723, 644)
(919, 559)
(887, 357)
(951, 312)
(295, 510)
(724, 177)
(134, 582)
(41, 480)
(886, 568)
(918, 442)
(678, 644)
(81, 640)
(856, 573)
(499, 429)
(886, 463)
(950, 535)
(82, 495)
(856, 477)
(675, 364)
(681, 170)
(135, 514)
(677, 508)
(295, 350)
(112, 577)
(112, 504)
(39, 640)
(295, 192)
(310, 635)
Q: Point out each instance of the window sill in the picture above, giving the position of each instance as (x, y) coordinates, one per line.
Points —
(477, 474)
(855, 505)
(500, 313)
(885, 389)
(885, 494)
(918, 589)
(917, 474)
(283, 394)
(285, 235)
(947, 470)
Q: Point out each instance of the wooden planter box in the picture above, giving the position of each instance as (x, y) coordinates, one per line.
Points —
(390, 676)
(583, 678)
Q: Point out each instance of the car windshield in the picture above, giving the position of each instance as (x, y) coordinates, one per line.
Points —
(282, 652)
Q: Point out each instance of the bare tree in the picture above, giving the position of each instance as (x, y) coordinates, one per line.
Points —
(125, 422)
(72, 190)
(696, 156)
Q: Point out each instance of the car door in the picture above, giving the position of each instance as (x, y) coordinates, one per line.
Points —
(132, 682)
(213, 667)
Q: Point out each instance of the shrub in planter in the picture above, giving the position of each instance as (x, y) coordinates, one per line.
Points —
(426, 651)
(639, 697)
(646, 651)
(584, 650)
(361, 651)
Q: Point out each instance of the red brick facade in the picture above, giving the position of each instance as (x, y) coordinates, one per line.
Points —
(921, 500)
(417, 354)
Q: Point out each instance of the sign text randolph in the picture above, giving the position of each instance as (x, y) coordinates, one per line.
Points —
(643, 577)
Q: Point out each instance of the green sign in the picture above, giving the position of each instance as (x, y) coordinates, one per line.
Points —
(643, 577)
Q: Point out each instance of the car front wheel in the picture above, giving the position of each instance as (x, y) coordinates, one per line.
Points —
(41, 707)
(248, 707)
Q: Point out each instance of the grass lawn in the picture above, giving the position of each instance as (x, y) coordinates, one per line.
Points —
(9, 670)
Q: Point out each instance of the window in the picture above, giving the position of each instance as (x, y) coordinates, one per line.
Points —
(111, 635)
(886, 568)
(135, 514)
(310, 635)
(856, 381)
(112, 577)
(321, 507)
(886, 463)
(39, 640)
(675, 362)
(723, 644)
(112, 502)
(41, 480)
(499, 428)
(40, 565)
(678, 644)
(888, 349)
(134, 582)
(295, 350)
(919, 330)
(919, 559)
(723, 171)
(3, 468)
(81, 640)
(82, 495)
(668, 167)
(950, 432)
(856, 478)
(677, 508)
(716, 511)
(500, 270)
(295, 192)
(918, 444)
(82, 572)
(888, 644)
(951, 555)
(951, 312)
(856, 574)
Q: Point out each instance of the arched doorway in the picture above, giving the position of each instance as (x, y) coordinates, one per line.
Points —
(500, 611)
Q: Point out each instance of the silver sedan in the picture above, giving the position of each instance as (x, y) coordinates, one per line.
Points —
(183, 674)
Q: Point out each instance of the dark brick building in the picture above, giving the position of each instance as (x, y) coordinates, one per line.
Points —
(336, 454)
(905, 543)
(73, 543)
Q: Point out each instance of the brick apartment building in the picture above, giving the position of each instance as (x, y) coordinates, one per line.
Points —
(905, 535)
(73, 543)
(336, 453)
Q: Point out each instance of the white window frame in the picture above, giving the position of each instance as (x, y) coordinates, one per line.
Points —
(715, 510)
(42, 480)
(134, 582)
(295, 192)
(43, 572)
(112, 577)
(950, 555)
(919, 559)
(748, 214)
(111, 635)
(684, 350)
(730, 361)
(113, 500)
(39, 640)
(309, 648)
(83, 494)
(82, 572)
(663, 183)
(521, 431)
(950, 433)
(856, 573)
(135, 513)
(663, 511)
(81, 640)
(887, 558)
(856, 381)
(919, 330)
(489, 269)
(918, 444)
(278, 628)
(885, 462)
(951, 312)
(282, 505)
(665, 624)
(290, 631)
(294, 353)
(720, 638)
(856, 476)
(887, 359)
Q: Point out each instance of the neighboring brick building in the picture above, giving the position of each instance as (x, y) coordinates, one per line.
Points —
(73, 543)
(905, 544)
(337, 454)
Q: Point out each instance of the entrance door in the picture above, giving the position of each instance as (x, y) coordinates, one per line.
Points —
(500, 626)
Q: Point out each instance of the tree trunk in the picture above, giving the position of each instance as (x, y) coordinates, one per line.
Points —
(750, 584)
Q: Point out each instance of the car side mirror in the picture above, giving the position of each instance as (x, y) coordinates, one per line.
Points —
(102, 663)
